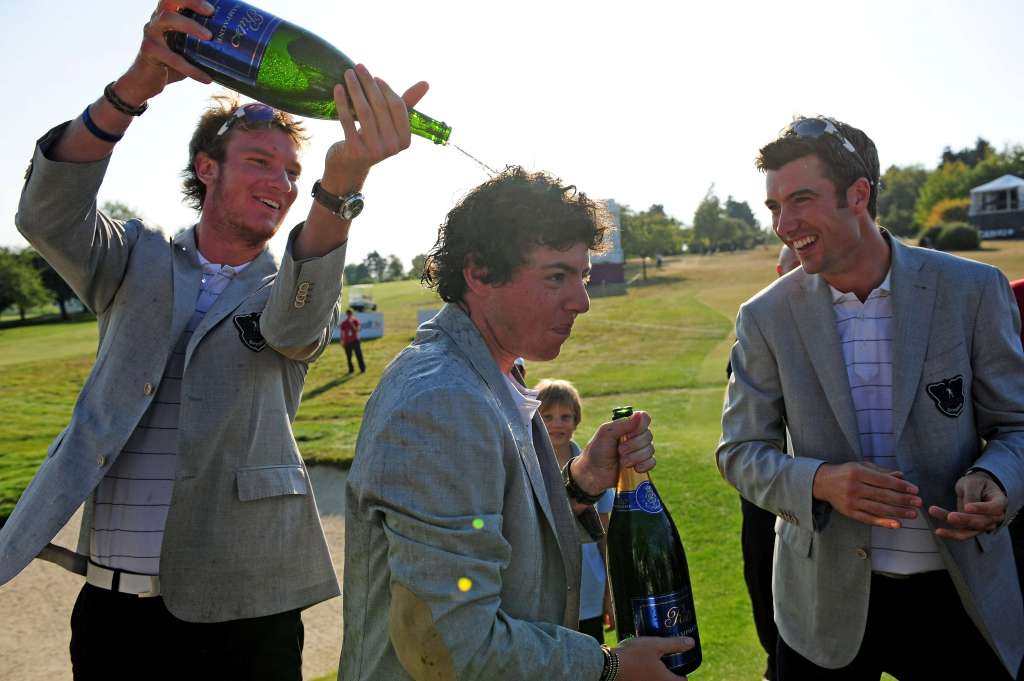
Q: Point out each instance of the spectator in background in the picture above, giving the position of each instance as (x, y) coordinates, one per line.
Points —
(788, 261)
(758, 540)
(350, 341)
(562, 411)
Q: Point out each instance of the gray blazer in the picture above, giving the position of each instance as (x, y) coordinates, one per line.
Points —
(448, 484)
(953, 317)
(243, 537)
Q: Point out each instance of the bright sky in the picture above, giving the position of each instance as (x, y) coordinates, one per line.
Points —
(644, 102)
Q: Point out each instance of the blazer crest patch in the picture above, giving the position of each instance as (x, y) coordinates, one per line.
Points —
(249, 331)
(948, 395)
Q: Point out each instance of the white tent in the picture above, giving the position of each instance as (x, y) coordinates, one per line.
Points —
(1002, 194)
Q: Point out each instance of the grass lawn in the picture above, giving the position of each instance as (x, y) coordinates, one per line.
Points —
(661, 347)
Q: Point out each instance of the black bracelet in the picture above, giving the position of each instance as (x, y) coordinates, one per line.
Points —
(575, 492)
(97, 131)
(611, 664)
(120, 104)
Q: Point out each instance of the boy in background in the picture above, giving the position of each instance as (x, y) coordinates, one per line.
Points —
(562, 411)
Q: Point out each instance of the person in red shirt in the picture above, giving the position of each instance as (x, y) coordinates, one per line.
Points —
(350, 341)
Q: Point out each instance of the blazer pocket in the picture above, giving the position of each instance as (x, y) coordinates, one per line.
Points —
(799, 541)
(260, 482)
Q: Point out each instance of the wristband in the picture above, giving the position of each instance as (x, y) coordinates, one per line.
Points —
(575, 492)
(611, 664)
(120, 104)
(97, 131)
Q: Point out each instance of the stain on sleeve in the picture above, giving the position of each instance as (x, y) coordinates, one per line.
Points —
(416, 640)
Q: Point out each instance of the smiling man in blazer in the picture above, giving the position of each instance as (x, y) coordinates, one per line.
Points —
(899, 375)
(201, 540)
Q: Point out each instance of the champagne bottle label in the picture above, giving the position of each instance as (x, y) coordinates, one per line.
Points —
(643, 498)
(666, 615)
(241, 34)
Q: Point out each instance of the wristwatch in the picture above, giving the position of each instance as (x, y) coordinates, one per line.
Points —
(346, 207)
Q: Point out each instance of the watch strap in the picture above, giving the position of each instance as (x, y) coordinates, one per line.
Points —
(331, 202)
(346, 207)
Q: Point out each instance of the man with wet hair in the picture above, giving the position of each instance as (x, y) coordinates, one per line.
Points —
(200, 541)
(899, 375)
(462, 546)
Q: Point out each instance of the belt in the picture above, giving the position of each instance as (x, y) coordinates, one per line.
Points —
(119, 581)
(930, 574)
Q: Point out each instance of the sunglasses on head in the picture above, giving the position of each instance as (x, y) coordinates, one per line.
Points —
(251, 113)
(813, 128)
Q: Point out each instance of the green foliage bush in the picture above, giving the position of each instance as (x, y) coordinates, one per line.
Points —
(957, 236)
(948, 211)
(929, 236)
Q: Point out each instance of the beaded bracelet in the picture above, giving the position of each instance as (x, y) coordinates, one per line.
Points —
(120, 104)
(97, 130)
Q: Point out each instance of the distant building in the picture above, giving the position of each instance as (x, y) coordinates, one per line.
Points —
(997, 208)
(610, 268)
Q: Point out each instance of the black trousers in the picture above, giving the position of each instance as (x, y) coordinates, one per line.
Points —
(1017, 537)
(355, 347)
(917, 630)
(118, 637)
(758, 543)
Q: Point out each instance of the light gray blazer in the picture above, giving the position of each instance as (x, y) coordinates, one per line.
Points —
(449, 484)
(953, 317)
(243, 537)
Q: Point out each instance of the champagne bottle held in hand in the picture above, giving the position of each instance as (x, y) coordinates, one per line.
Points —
(276, 62)
(647, 568)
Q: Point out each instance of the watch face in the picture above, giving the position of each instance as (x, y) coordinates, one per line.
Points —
(352, 207)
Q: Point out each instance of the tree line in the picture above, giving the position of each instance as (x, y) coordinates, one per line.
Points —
(27, 281)
(717, 226)
(375, 269)
(915, 202)
(929, 205)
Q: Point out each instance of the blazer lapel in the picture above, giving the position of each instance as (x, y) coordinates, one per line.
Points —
(185, 281)
(913, 300)
(816, 323)
(457, 324)
(240, 287)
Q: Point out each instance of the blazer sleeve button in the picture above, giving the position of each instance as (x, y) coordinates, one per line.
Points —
(147, 389)
(861, 553)
(101, 460)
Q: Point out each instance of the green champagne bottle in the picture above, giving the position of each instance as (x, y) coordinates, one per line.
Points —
(647, 568)
(277, 63)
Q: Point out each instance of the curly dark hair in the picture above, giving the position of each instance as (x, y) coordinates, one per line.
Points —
(205, 138)
(499, 223)
(841, 167)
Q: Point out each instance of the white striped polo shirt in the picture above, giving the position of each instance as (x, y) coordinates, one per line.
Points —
(865, 332)
(132, 500)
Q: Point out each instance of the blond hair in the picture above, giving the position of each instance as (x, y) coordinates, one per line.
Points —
(554, 391)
